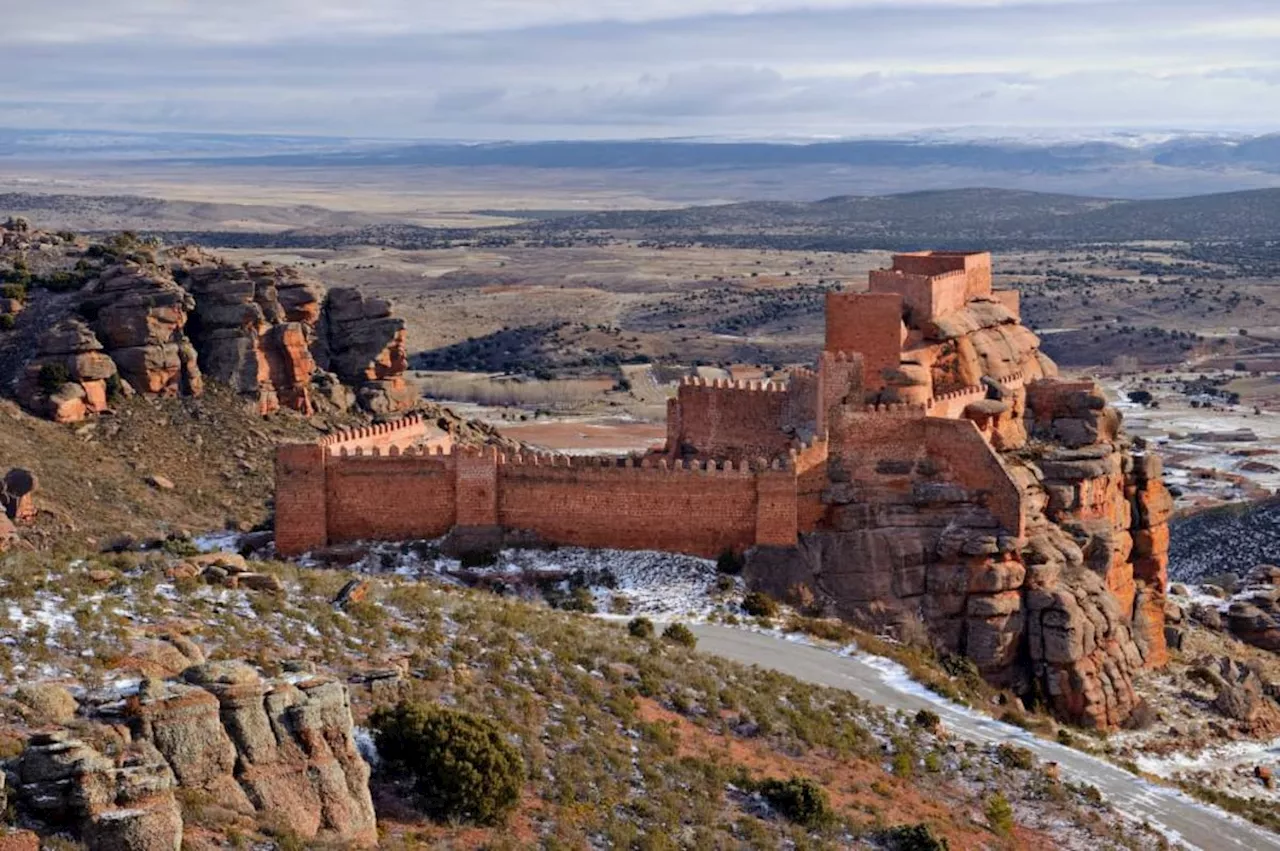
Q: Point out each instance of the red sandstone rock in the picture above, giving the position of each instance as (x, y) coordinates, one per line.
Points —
(284, 752)
(141, 315)
(359, 340)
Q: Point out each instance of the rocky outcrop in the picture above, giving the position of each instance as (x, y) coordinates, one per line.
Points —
(18, 495)
(125, 803)
(1068, 611)
(139, 313)
(158, 324)
(281, 751)
(253, 327)
(364, 345)
(1240, 695)
(71, 374)
(1253, 614)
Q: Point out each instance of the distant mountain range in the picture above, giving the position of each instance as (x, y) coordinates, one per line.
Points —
(1189, 151)
(959, 218)
(697, 170)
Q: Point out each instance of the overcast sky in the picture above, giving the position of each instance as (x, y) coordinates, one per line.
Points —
(522, 69)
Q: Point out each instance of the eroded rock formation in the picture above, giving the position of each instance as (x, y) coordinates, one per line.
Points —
(139, 313)
(68, 378)
(364, 345)
(159, 323)
(253, 326)
(276, 750)
(125, 803)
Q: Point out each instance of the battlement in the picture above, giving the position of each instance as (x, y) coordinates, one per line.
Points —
(354, 435)
(731, 384)
(897, 409)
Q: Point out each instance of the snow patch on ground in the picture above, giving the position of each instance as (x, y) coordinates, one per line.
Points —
(218, 542)
(654, 584)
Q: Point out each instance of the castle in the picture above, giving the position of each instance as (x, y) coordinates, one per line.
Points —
(931, 466)
(744, 464)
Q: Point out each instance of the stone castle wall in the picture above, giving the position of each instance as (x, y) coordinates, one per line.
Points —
(735, 418)
(869, 324)
(343, 491)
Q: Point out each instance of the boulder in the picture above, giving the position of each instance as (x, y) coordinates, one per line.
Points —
(1255, 621)
(8, 534)
(17, 495)
(121, 804)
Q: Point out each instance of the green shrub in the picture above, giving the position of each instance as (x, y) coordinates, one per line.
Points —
(927, 719)
(678, 633)
(463, 767)
(640, 628)
(17, 292)
(730, 563)
(52, 376)
(913, 837)
(799, 799)
(580, 599)
(115, 388)
(1015, 757)
(8, 321)
(999, 813)
(759, 604)
(1066, 737)
(61, 282)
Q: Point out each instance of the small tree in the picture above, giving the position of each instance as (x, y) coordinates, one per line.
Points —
(927, 719)
(1140, 397)
(678, 633)
(799, 799)
(729, 563)
(999, 813)
(580, 600)
(640, 628)
(462, 765)
(759, 604)
(51, 377)
(914, 837)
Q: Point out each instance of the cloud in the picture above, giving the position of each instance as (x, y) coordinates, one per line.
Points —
(598, 68)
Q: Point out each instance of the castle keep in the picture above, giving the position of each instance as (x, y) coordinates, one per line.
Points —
(930, 465)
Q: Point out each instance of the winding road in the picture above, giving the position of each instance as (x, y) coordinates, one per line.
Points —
(1178, 816)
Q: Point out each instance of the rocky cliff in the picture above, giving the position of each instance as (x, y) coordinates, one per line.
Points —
(278, 751)
(160, 322)
(1064, 611)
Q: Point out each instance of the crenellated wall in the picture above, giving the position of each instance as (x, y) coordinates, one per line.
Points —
(325, 497)
(925, 297)
(737, 419)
